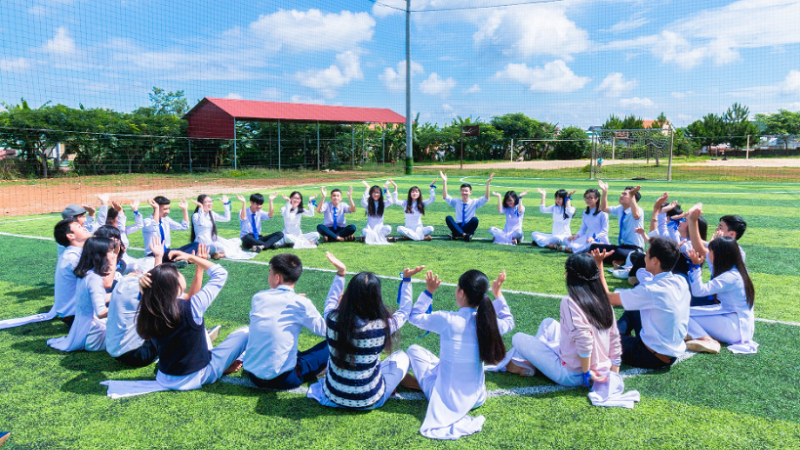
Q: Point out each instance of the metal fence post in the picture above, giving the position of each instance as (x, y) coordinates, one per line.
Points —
(279, 144)
(671, 147)
(190, 156)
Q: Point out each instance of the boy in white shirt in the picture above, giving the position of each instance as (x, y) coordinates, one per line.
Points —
(277, 317)
(657, 309)
(250, 223)
(631, 217)
(465, 222)
(334, 227)
(161, 225)
(70, 234)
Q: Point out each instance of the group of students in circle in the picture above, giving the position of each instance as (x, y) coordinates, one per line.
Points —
(154, 315)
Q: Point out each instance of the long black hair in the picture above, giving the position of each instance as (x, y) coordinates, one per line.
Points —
(596, 193)
(475, 285)
(586, 290)
(420, 204)
(111, 232)
(562, 194)
(375, 208)
(727, 257)
(361, 301)
(200, 199)
(95, 257)
(159, 309)
(300, 208)
(510, 195)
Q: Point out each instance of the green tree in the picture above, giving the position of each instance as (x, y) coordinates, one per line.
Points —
(784, 124)
(708, 131)
(738, 125)
(173, 103)
(573, 143)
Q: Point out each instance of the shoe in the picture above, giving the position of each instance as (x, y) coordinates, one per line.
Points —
(467, 237)
(523, 370)
(622, 274)
(391, 239)
(361, 239)
(451, 236)
(703, 346)
(213, 333)
(514, 242)
(350, 238)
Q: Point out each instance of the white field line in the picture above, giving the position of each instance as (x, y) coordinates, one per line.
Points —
(24, 220)
(316, 269)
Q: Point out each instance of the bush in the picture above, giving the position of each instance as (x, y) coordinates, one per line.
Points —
(573, 143)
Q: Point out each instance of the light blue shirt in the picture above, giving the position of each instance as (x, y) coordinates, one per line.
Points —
(628, 225)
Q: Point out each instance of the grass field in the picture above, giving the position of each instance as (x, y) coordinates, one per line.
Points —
(51, 399)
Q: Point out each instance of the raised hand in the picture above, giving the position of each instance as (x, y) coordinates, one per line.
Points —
(155, 246)
(393, 184)
(541, 191)
(273, 196)
(198, 204)
(365, 183)
(323, 192)
(599, 256)
(660, 202)
(312, 198)
(717, 234)
(641, 231)
(524, 193)
(103, 199)
(135, 205)
(89, 209)
(573, 191)
(116, 205)
(432, 282)
(444, 177)
(152, 203)
(240, 198)
(409, 272)
(497, 194)
(696, 211)
(434, 181)
(341, 270)
(183, 204)
(696, 258)
(285, 197)
(145, 282)
(635, 190)
(603, 186)
(667, 208)
(178, 255)
(202, 251)
(224, 198)
(350, 192)
(490, 178)
(498, 284)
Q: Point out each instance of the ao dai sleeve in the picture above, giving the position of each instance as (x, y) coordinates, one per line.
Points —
(431, 198)
(546, 209)
(404, 310)
(203, 299)
(334, 294)
(505, 321)
(309, 211)
(603, 221)
(365, 199)
(226, 216)
(615, 342)
(580, 330)
(436, 321)
(717, 285)
(97, 291)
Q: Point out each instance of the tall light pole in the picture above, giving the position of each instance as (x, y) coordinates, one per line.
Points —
(409, 128)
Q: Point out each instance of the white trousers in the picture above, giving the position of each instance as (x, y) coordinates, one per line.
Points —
(417, 234)
(542, 351)
(393, 369)
(723, 327)
(305, 240)
(505, 237)
(376, 236)
(579, 244)
(545, 239)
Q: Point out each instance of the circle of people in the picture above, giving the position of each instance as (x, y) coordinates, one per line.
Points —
(152, 315)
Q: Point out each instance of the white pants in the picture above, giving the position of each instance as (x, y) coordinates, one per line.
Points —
(579, 244)
(417, 234)
(376, 236)
(723, 327)
(505, 237)
(305, 240)
(393, 369)
(542, 351)
(545, 239)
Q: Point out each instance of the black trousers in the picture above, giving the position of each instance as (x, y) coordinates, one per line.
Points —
(634, 352)
(456, 228)
(342, 232)
(249, 241)
(620, 251)
(141, 357)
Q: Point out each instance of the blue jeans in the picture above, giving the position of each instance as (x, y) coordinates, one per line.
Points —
(309, 364)
(456, 228)
(329, 233)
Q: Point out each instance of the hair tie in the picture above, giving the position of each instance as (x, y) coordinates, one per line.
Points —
(569, 197)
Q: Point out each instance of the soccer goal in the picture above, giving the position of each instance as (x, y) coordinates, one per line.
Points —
(639, 154)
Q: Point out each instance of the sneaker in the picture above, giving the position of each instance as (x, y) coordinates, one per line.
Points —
(622, 274)
(451, 236)
(703, 346)
(213, 333)
(467, 237)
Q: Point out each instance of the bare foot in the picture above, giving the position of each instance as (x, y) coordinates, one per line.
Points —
(339, 239)
(522, 371)
(427, 238)
(235, 367)
(410, 382)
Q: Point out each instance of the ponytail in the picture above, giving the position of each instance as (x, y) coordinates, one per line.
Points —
(475, 285)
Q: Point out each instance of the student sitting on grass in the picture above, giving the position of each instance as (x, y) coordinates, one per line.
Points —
(373, 201)
(293, 213)
(115, 216)
(594, 226)
(414, 208)
(85, 217)
(585, 345)
(96, 273)
(631, 217)
(334, 226)
(204, 230)
(110, 232)
(657, 309)
(250, 223)
(360, 328)
(731, 226)
(123, 343)
(731, 321)
(277, 317)
(510, 205)
(160, 224)
(562, 212)
(465, 223)
(470, 337)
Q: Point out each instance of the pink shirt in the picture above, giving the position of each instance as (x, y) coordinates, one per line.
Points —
(580, 338)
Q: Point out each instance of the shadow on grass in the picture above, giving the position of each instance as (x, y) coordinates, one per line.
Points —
(46, 330)
(30, 293)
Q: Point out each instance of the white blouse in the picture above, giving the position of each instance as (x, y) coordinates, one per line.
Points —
(595, 226)
(561, 226)
(513, 219)
(414, 218)
(88, 332)
(375, 221)
(203, 225)
(291, 219)
(732, 296)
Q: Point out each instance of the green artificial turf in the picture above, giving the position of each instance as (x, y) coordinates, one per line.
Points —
(53, 400)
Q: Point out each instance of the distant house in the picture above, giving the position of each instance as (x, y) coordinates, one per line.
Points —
(7, 153)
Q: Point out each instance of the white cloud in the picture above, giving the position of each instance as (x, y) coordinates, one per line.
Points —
(636, 102)
(304, 99)
(447, 107)
(794, 107)
(14, 65)
(271, 93)
(532, 30)
(61, 44)
(555, 76)
(346, 69)
(615, 84)
(628, 25)
(791, 85)
(313, 30)
(434, 85)
(680, 95)
(473, 90)
(234, 96)
(385, 8)
(395, 80)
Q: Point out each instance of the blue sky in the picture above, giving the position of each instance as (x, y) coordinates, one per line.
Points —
(572, 62)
